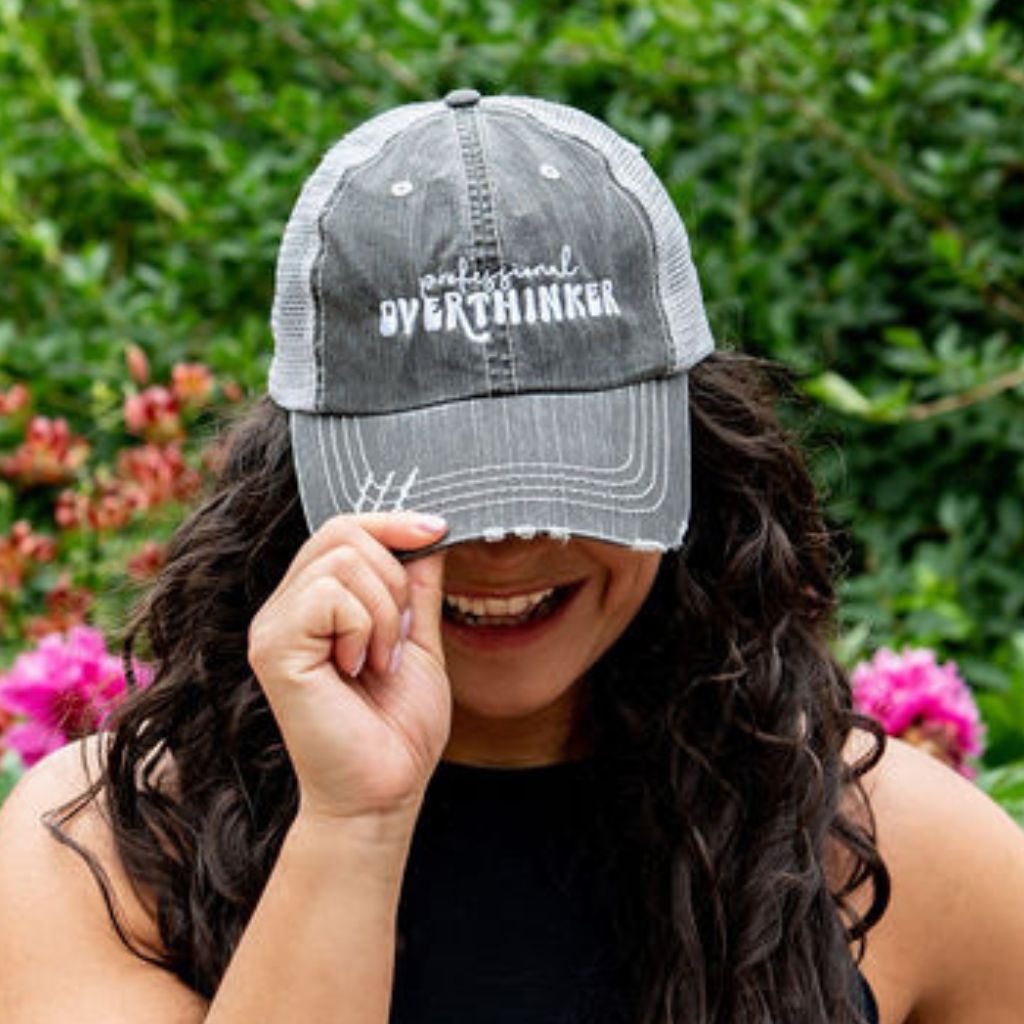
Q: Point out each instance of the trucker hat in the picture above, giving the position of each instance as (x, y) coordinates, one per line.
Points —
(485, 308)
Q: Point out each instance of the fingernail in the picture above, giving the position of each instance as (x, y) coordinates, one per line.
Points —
(360, 663)
(431, 524)
(405, 624)
(396, 659)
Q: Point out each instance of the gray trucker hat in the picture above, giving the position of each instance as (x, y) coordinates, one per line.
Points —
(485, 308)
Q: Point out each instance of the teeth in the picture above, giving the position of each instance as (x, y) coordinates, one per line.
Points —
(495, 607)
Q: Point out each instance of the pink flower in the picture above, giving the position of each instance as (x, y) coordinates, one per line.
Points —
(65, 688)
(922, 702)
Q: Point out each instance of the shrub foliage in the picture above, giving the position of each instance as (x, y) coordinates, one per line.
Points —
(852, 176)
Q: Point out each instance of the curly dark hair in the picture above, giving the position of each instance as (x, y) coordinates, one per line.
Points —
(724, 770)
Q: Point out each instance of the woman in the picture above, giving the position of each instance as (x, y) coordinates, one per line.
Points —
(447, 724)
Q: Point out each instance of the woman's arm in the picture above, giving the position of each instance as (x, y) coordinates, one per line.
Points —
(348, 650)
(321, 944)
(319, 947)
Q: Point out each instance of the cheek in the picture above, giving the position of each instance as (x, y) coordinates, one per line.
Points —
(629, 581)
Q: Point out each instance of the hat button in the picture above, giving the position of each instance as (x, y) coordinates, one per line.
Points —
(462, 98)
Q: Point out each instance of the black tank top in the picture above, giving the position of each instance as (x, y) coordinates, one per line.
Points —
(505, 914)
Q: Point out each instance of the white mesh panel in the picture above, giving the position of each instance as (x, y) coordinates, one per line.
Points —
(292, 382)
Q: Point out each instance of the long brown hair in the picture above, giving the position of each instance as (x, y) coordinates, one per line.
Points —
(725, 769)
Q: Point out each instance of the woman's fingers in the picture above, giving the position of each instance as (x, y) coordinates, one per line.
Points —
(339, 616)
(426, 591)
(346, 608)
(375, 535)
(380, 608)
(356, 551)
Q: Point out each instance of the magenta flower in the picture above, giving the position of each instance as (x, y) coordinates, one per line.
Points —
(922, 702)
(65, 689)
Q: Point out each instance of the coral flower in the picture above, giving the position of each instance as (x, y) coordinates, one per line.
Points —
(105, 508)
(157, 474)
(18, 551)
(192, 384)
(65, 688)
(154, 414)
(50, 454)
(66, 607)
(71, 510)
(922, 702)
(113, 507)
(14, 400)
(6, 720)
(147, 476)
(137, 363)
(147, 561)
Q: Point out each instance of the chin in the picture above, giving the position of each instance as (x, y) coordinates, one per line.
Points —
(496, 696)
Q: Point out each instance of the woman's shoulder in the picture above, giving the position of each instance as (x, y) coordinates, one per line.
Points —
(55, 781)
(52, 910)
(948, 947)
(29, 841)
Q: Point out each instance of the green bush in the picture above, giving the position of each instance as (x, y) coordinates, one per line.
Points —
(852, 176)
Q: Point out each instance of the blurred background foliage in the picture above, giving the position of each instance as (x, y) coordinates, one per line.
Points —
(851, 174)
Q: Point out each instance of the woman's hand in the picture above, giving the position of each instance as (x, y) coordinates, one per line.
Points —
(348, 651)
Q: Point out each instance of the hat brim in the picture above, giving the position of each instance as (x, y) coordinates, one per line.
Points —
(610, 465)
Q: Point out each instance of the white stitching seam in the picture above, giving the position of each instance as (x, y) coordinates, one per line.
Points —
(382, 489)
(561, 533)
(516, 490)
(538, 468)
(364, 493)
(482, 133)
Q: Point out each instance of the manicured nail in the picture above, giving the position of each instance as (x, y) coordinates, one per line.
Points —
(405, 624)
(431, 524)
(396, 659)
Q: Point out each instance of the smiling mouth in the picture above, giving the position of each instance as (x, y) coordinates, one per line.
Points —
(506, 612)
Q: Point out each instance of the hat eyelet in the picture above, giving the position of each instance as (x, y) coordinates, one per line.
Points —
(401, 188)
(550, 172)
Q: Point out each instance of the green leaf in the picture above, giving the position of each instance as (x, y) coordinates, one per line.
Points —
(8, 779)
(1005, 785)
(903, 337)
(837, 392)
(947, 246)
